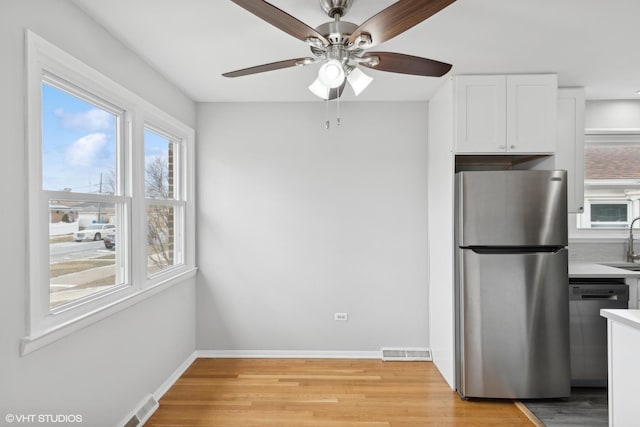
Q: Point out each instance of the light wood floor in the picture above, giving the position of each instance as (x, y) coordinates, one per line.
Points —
(319, 392)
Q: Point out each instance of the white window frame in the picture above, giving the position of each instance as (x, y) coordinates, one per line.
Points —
(121, 200)
(585, 218)
(579, 227)
(46, 61)
(179, 203)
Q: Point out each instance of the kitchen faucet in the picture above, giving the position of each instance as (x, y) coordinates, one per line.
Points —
(631, 257)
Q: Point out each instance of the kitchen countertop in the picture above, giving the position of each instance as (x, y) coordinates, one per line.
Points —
(626, 317)
(591, 269)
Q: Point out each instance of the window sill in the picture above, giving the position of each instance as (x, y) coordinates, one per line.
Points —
(34, 342)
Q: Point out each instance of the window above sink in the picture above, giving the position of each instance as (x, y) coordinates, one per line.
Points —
(611, 184)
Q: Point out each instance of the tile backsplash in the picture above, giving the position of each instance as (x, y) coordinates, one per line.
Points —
(607, 251)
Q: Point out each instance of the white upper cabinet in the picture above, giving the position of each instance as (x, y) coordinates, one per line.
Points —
(481, 113)
(506, 114)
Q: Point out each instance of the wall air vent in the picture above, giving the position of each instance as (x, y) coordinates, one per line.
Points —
(134, 421)
(406, 354)
(143, 413)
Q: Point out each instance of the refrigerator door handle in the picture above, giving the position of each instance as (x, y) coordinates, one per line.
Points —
(505, 250)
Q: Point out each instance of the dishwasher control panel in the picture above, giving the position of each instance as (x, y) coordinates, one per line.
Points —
(608, 289)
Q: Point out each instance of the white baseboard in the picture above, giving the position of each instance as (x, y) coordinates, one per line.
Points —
(287, 354)
(135, 417)
(166, 385)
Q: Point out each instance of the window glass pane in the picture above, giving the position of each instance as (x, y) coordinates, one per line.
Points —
(609, 212)
(161, 222)
(82, 249)
(612, 162)
(159, 154)
(78, 144)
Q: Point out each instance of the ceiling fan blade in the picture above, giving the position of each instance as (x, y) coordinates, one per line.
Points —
(398, 18)
(407, 64)
(281, 19)
(270, 67)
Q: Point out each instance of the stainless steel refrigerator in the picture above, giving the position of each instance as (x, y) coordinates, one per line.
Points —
(512, 303)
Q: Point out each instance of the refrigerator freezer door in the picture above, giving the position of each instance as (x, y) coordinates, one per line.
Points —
(513, 325)
(512, 208)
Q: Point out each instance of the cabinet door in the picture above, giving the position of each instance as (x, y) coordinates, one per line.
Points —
(531, 113)
(480, 114)
(624, 376)
(570, 151)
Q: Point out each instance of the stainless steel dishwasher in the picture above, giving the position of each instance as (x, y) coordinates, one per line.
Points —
(588, 330)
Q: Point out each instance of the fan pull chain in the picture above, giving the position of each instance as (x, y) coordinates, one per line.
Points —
(327, 124)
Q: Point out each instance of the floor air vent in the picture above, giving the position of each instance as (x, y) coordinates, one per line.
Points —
(143, 413)
(406, 354)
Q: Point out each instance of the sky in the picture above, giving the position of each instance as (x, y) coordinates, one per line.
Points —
(79, 144)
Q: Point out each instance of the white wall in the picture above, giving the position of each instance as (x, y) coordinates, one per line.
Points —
(101, 372)
(612, 114)
(297, 222)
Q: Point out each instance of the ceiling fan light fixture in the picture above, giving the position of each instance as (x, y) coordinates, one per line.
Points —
(331, 74)
(358, 80)
(319, 89)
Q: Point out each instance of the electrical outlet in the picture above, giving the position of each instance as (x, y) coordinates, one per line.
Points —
(340, 317)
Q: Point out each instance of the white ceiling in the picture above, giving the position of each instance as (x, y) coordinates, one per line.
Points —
(590, 43)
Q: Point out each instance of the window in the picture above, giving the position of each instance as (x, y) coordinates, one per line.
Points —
(80, 143)
(612, 180)
(110, 196)
(165, 201)
(599, 213)
(610, 213)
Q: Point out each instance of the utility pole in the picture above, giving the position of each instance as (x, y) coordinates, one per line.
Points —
(99, 192)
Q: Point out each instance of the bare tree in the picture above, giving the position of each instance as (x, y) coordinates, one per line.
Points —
(108, 182)
(159, 217)
(157, 178)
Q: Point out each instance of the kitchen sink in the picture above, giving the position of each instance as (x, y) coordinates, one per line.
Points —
(631, 266)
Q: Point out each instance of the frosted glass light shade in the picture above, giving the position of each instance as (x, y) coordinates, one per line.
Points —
(331, 73)
(319, 89)
(358, 81)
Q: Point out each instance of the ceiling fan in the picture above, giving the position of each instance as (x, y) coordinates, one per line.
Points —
(342, 46)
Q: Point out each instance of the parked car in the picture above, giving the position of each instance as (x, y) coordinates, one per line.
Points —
(93, 232)
(109, 239)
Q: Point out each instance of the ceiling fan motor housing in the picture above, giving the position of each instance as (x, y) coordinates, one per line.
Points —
(337, 32)
(335, 7)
